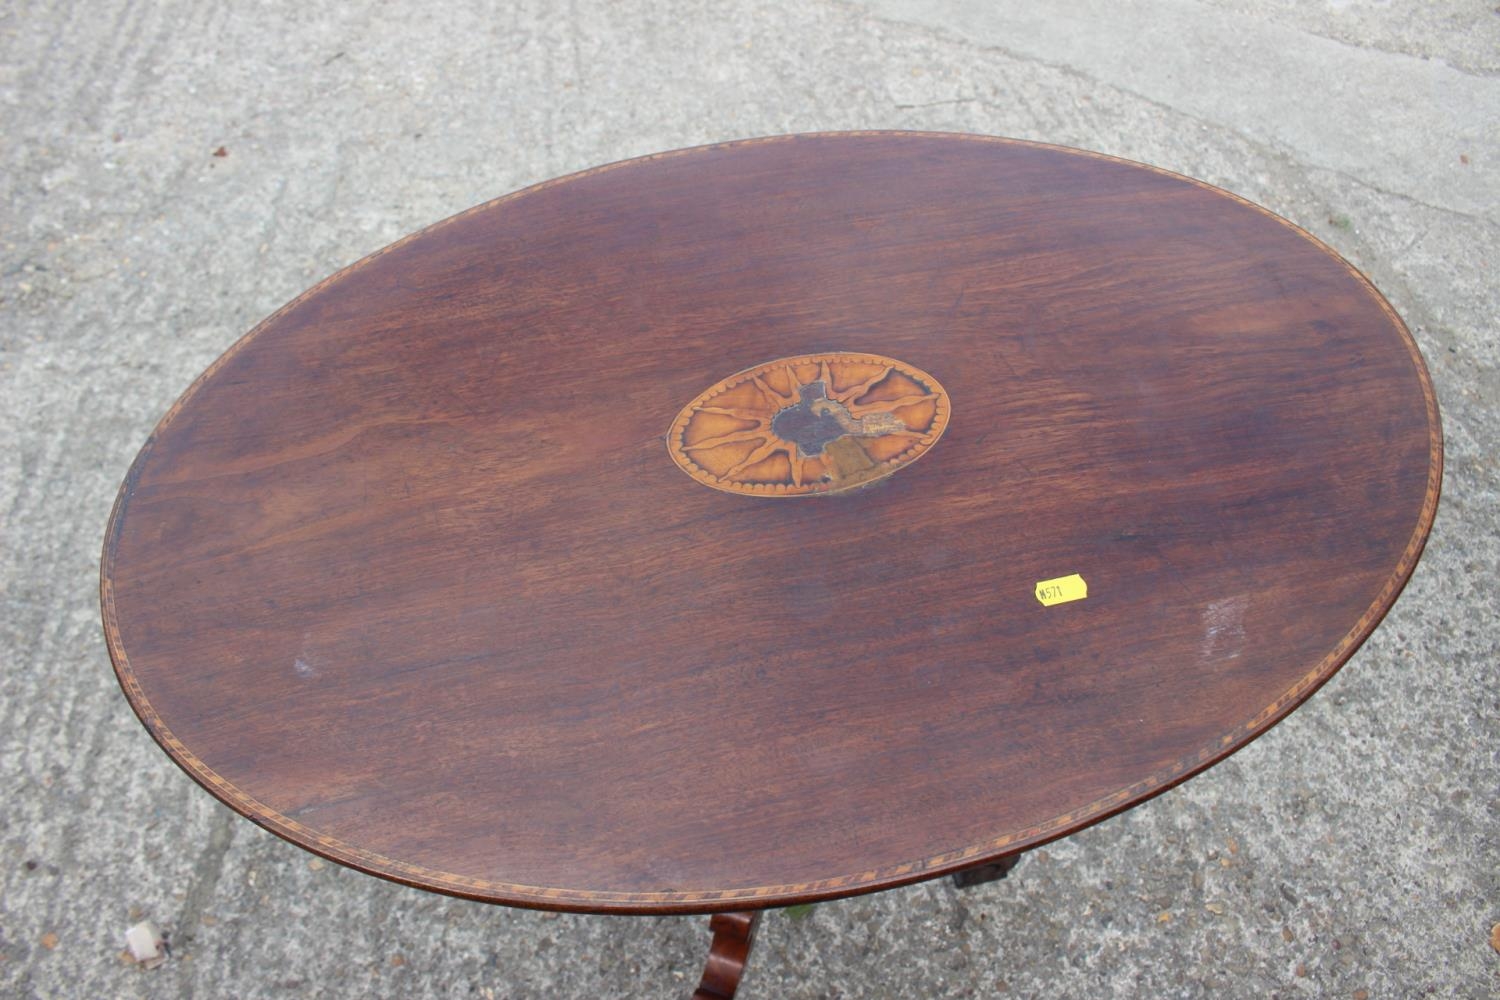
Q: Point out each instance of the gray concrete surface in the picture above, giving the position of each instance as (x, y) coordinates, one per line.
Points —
(1351, 852)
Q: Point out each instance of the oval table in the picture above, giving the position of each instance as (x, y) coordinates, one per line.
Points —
(769, 522)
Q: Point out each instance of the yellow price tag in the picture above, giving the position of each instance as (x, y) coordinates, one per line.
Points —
(1061, 590)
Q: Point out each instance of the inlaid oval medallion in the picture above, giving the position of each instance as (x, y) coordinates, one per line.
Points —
(815, 423)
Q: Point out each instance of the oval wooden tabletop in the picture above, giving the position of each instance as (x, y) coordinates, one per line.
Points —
(431, 575)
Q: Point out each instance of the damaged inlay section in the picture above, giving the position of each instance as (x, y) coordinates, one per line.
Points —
(816, 423)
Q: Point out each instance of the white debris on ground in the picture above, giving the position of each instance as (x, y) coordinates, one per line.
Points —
(146, 945)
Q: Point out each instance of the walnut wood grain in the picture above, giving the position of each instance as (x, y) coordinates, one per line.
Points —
(410, 578)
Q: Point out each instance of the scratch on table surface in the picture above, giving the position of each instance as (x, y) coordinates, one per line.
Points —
(1224, 628)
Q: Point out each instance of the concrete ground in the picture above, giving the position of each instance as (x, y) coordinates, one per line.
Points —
(174, 171)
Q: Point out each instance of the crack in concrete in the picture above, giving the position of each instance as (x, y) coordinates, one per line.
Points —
(1262, 146)
(936, 104)
(209, 870)
(946, 35)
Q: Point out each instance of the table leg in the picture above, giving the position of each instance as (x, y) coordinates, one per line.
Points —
(980, 874)
(734, 933)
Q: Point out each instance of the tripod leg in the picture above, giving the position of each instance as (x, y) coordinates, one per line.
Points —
(734, 933)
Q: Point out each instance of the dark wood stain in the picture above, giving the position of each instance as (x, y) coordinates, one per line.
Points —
(409, 578)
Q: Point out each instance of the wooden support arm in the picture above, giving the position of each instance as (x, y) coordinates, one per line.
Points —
(734, 933)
